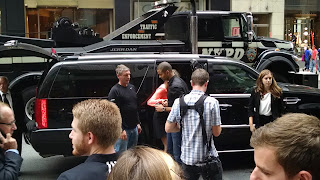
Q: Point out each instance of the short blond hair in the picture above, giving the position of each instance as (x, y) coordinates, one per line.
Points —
(100, 117)
(296, 140)
(145, 163)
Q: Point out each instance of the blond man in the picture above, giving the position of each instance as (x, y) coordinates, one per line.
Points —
(96, 127)
(287, 149)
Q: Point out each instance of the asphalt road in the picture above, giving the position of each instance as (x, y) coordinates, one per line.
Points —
(35, 167)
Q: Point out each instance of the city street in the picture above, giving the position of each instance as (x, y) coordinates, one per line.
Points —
(34, 167)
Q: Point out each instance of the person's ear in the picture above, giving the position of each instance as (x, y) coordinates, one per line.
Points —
(303, 175)
(206, 84)
(191, 83)
(91, 138)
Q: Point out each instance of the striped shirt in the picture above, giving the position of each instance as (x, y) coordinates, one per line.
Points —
(193, 150)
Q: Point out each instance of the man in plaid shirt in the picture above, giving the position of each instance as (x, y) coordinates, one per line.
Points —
(193, 150)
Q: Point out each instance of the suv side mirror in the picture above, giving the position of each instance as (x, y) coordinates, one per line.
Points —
(250, 26)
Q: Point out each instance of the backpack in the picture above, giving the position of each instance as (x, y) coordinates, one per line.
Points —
(198, 106)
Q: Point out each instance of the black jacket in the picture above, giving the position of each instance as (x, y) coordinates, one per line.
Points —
(96, 167)
(10, 164)
(176, 88)
(277, 106)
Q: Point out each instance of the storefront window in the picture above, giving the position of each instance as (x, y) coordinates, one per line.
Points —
(40, 21)
(302, 18)
(261, 24)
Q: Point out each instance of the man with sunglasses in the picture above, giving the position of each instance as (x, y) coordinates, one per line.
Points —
(10, 160)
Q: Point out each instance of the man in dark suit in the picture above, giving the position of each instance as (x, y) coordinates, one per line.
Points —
(96, 127)
(10, 160)
(14, 100)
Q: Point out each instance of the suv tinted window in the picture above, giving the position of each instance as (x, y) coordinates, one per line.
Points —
(83, 80)
(230, 79)
(96, 80)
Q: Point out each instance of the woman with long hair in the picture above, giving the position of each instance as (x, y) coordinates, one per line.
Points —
(266, 101)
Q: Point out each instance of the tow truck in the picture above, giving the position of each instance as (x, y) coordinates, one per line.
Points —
(160, 30)
(220, 33)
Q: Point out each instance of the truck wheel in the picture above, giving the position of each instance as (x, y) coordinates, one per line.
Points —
(28, 96)
(280, 67)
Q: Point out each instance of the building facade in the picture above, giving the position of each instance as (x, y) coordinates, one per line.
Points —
(268, 15)
(272, 18)
(302, 19)
(36, 17)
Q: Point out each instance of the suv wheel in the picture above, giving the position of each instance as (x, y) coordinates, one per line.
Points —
(28, 96)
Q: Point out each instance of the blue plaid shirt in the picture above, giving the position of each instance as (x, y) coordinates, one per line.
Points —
(193, 150)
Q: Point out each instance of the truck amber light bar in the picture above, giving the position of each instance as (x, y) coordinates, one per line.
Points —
(41, 113)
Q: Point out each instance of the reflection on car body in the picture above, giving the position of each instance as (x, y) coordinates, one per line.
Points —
(92, 76)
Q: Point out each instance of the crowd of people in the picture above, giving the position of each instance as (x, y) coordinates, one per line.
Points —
(285, 146)
(311, 59)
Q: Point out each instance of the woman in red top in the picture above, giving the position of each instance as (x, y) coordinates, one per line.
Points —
(159, 118)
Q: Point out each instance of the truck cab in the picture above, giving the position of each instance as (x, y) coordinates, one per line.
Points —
(230, 34)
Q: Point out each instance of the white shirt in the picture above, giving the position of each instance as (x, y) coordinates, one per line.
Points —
(265, 105)
(8, 95)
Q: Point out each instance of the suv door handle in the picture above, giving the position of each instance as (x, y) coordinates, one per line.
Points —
(291, 100)
(224, 107)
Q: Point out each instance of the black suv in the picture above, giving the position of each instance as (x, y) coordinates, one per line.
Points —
(91, 76)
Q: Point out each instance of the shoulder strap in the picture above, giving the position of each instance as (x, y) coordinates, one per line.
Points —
(199, 107)
(183, 106)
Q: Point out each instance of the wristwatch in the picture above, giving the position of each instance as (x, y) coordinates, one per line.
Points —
(163, 109)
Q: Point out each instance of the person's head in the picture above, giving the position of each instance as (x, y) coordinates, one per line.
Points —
(96, 123)
(164, 71)
(145, 163)
(200, 77)
(287, 149)
(4, 84)
(7, 121)
(266, 81)
(176, 73)
(123, 74)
